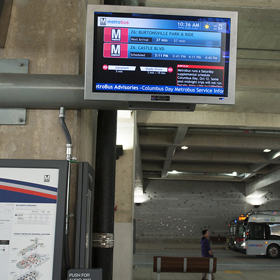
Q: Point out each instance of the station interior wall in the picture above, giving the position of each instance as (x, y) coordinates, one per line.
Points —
(178, 211)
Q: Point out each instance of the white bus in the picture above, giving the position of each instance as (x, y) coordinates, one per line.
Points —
(263, 234)
(237, 233)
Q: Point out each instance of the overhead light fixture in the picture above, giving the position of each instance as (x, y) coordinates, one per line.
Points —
(234, 173)
(257, 194)
(266, 150)
(139, 196)
(256, 198)
(275, 155)
(173, 172)
(184, 147)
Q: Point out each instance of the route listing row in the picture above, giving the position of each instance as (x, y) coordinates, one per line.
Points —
(162, 52)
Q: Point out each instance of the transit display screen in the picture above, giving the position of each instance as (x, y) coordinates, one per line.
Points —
(156, 57)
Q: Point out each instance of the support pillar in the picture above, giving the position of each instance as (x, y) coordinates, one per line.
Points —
(125, 178)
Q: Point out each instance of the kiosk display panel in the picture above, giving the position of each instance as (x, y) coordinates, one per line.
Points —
(155, 55)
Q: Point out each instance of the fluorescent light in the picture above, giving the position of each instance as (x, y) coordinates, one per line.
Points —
(140, 198)
(276, 155)
(174, 172)
(256, 198)
(257, 194)
(266, 150)
(184, 147)
(234, 173)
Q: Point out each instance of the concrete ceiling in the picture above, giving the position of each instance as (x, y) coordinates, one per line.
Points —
(213, 153)
(222, 140)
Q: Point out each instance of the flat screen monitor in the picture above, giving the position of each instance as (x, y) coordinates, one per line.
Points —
(155, 58)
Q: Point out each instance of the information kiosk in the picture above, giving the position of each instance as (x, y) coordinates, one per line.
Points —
(32, 218)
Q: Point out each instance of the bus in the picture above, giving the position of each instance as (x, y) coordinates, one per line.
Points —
(263, 234)
(231, 234)
(237, 233)
(240, 234)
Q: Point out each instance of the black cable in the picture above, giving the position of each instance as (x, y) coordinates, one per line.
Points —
(66, 253)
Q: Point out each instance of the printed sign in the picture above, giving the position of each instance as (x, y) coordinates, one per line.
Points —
(28, 199)
(84, 274)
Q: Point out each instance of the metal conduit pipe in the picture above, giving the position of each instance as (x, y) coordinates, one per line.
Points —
(41, 91)
(36, 91)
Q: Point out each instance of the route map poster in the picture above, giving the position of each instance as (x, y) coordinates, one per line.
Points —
(28, 202)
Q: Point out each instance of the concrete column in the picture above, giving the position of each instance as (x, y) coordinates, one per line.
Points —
(51, 36)
(123, 251)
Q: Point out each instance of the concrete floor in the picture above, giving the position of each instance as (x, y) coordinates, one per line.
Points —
(231, 265)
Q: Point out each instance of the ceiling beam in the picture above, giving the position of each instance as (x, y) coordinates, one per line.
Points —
(170, 152)
(205, 156)
(194, 177)
(213, 141)
(216, 119)
(264, 181)
(179, 136)
(217, 168)
(219, 156)
(203, 167)
(203, 177)
(271, 158)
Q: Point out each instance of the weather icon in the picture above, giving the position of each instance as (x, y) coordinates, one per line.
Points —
(207, 26)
